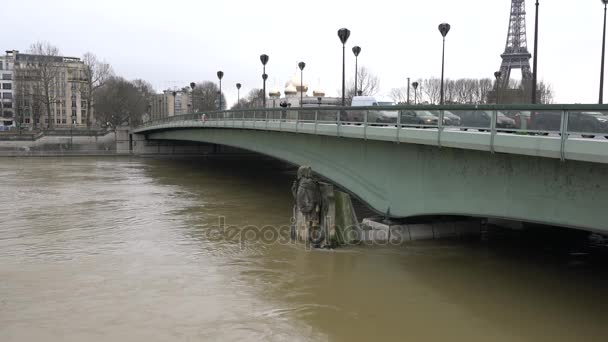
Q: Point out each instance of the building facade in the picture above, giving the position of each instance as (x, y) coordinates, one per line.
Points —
(34, 84)
(170, 103)
(7, 109)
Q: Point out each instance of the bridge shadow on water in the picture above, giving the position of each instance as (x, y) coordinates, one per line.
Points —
(536, 284)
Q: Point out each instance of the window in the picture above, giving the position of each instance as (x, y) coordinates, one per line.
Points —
(27, 120)
(58, 121)
(7, 86)
(73, 104)
(8, 105)
(8, 114)
(63, 121)
(73, 113)
(7, 96)
(7, 77)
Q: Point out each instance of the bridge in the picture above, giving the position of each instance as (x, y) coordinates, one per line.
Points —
(543, 164)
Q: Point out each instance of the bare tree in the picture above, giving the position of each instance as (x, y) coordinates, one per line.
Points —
(431, 87)
(96, 74)
(205, 97)
(120, 102)
(43, 70)
(399, 95)
(367, 83)
(254, 99)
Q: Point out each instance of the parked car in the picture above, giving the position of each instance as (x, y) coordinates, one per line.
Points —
(418, 117)
(483, 119)
(380, 116)
(583, 122)
(522, 118)
(449, 118)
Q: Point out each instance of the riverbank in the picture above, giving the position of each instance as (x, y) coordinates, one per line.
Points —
(58, 143)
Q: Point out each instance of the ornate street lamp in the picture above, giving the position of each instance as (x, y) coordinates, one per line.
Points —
(264, 59)
(192, 86)
(238, 95)
(357, 51)
(301, 65)
(605, 2)
(497, 75)
(220, 75)
(343, 34)
(443, 29)
(535, 63)
(415, 85)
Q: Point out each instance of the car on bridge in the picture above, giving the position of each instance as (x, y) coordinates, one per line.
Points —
(482, 120)
(589, 124)
(449, 118)
(418, 117)
(380, 116)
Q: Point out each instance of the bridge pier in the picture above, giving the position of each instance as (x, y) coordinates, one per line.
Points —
(323, 217)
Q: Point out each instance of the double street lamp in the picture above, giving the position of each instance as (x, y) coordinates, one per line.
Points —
(264, 59)
(301, 65)
(443, 29)
(192, 86)
(605, 2)
(220, 75)
(357, 51)
(343, 34)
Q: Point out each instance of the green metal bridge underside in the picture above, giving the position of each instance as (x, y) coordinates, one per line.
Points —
(412, 179)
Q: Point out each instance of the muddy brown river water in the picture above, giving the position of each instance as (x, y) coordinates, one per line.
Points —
(128, 250)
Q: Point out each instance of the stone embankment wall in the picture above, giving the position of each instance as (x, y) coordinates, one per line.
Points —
(57, 143)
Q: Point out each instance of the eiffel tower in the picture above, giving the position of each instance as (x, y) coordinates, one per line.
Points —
(516, 55)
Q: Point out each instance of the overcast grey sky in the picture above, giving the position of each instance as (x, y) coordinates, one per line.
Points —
(170, 43)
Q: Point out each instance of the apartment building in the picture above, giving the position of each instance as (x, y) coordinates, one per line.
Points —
(25, 81)
(170, 103)
(7, 109)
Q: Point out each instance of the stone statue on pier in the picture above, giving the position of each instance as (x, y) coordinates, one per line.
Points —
(320, 211)
(308, 207)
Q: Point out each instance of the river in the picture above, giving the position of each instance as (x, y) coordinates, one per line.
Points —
(132, 250)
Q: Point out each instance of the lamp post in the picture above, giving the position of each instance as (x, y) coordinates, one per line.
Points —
(301, 65)
(264, 77)
(497, 75)
(357, 51)
(415, 85)
(192, 86)
(264, 59)
(220, 75)
(408, 90)
(72, 122)
(535, 63)
(343, 34)
(238, 95)
(443, 29)
(605, 2)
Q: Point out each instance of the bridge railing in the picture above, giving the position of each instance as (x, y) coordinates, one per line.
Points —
(581, 121)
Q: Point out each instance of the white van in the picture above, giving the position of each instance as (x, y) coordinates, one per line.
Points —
(386, 116)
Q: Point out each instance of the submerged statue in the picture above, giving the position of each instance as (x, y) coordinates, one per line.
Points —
(308, 207)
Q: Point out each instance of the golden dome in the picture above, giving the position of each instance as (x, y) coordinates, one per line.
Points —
(290, 89)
